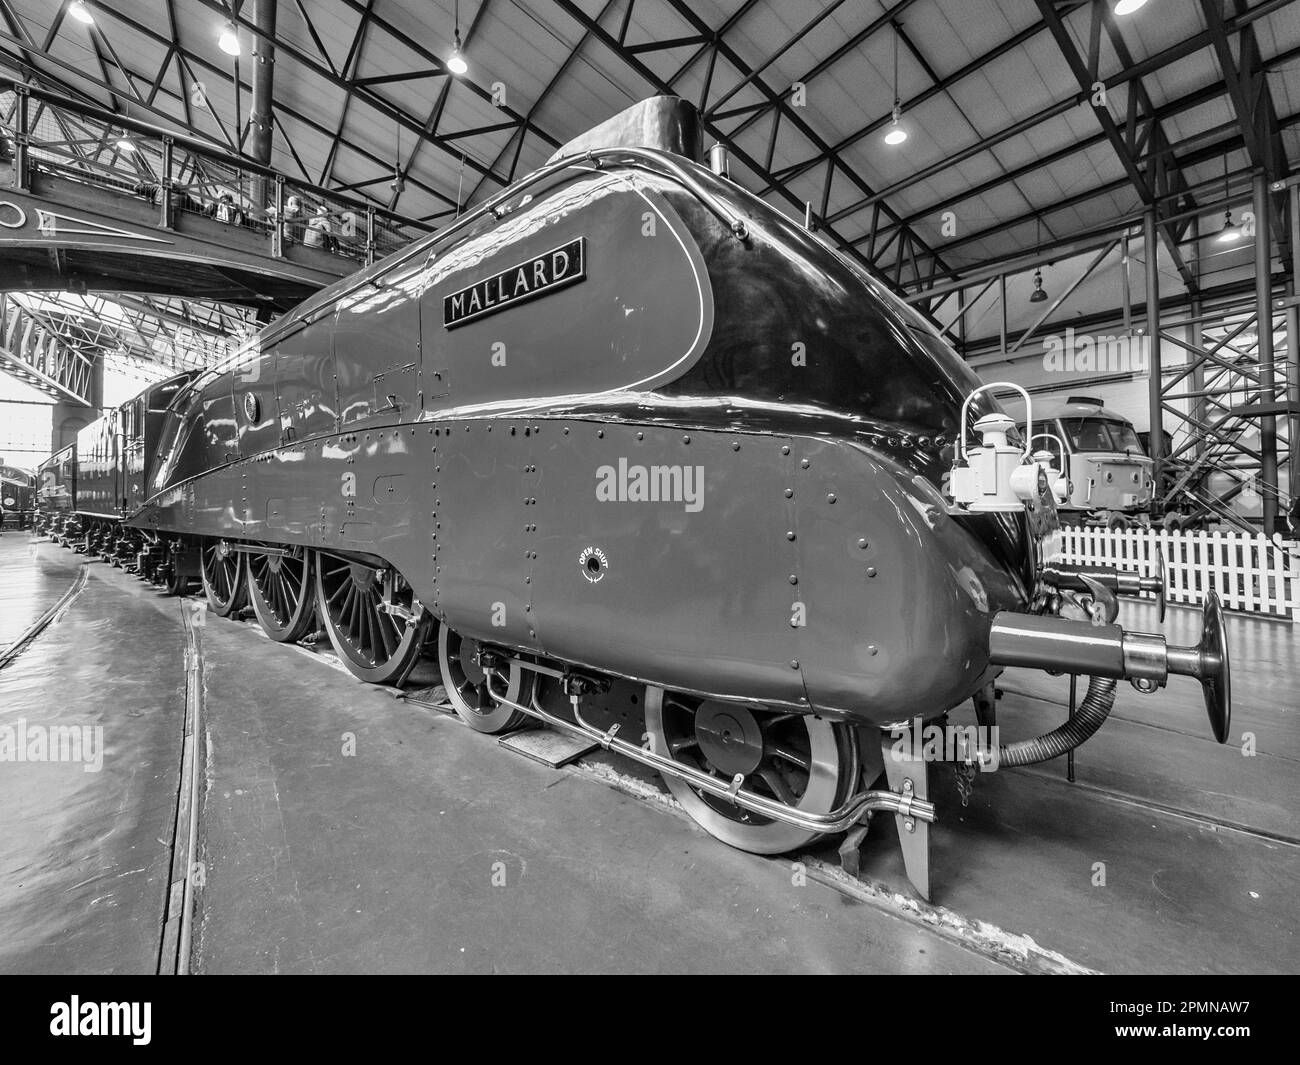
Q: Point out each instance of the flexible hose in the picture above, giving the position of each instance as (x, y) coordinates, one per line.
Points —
(1094, 710)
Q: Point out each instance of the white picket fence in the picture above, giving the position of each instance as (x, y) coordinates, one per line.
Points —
(1250, 572)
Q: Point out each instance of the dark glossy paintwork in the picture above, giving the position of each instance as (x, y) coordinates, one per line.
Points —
(665, 121)
(821, 570)
(100, 450)
(103, 474)
(17, 494)
(56, 481)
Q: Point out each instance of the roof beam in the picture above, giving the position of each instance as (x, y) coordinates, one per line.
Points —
(1079, 66)
(651, 78)
(225, 75)
(518, 139)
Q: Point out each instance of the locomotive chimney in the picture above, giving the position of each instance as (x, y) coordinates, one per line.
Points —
(719, 163)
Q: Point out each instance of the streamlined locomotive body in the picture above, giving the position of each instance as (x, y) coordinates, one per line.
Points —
(634, 455)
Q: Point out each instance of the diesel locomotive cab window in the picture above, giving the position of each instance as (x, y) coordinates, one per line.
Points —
(1102, 434)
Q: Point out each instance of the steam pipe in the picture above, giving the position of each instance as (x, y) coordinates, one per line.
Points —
(837, 820)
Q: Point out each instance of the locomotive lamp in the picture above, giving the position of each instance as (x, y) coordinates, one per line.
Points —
(997, 475)
(1045, 458)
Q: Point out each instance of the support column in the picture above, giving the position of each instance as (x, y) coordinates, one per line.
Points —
(1292, 340)
(1002, 309)
(259, 119)
(1198, 408)
(1264, 326)
(1293, 396)
(1151, 250)
(67, 418)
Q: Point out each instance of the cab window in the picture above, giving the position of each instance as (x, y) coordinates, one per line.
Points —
(1101, 434)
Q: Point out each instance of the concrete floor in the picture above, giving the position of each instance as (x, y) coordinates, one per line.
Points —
(432, 849)
(85, 864)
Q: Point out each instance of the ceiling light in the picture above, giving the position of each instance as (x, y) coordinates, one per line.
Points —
(125, 144)
(1230, 233)
(897, 134)
(456, 61)
(1038, 295)
(80, 13)
(1127, 7)
(229, 40)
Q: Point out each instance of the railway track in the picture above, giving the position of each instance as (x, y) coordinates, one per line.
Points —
(978, 936)
(174, 947)
(1122, 798)
(43, 622)
(187, 874)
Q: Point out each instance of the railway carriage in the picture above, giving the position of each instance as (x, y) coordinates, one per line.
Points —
(634, 455)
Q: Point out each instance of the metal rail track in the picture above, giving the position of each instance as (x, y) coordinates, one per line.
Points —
(1123, 798)
(45, 620)
(176, 943)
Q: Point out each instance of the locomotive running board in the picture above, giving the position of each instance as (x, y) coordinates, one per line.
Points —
(906, 803)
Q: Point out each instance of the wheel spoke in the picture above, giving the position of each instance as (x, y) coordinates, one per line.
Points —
(778, 785)
(333, 597)
(780, 751)
(387, 634)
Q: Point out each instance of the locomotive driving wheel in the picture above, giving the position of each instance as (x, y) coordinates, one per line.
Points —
(804, 762)
(223, 577)
(281, 591)
(377, 643)
(467, 685)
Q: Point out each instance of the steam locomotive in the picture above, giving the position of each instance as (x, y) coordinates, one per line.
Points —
(635, 456)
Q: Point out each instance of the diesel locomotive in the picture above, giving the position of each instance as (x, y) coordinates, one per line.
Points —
(1108, 471)
(634, 455)
(17, 497)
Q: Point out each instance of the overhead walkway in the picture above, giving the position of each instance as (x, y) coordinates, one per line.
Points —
(93, 201)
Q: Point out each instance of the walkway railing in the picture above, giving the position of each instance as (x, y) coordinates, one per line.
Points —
(1250, 572)
(45, 132)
